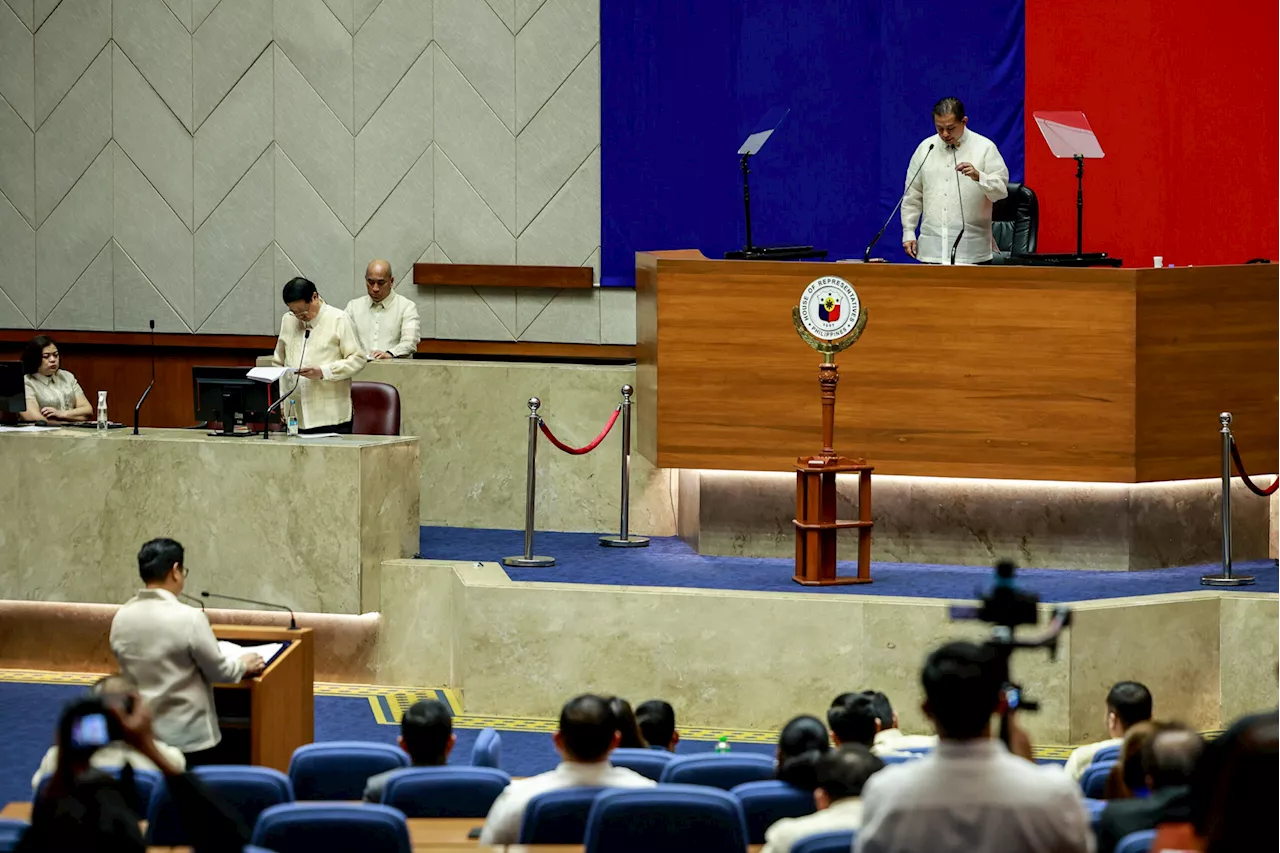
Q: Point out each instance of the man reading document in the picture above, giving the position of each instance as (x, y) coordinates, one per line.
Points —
(944, 210)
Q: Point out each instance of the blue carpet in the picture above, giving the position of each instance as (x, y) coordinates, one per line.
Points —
(668, 561)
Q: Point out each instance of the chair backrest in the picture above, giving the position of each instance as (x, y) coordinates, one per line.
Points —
(147, 782)
(1107, 753)
(444, 791)
(487, 751)
(1015, 220)
(1094, 808)
(1094, 781)
(671, 818)
(248, 791)
(375, 409)
(646, 762)
(1136, 842)
(718, 771)
(332, 828)
(836, 841)
(338, 770)
(558, 817)
(900, 757)
(765, 803)
(11, 832)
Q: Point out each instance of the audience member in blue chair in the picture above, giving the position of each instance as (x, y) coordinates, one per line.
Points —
(1128, 703)
(802, 742)
(971, 794)
(852, 720)
(588, 733)
(426, 733)
(113, 689)
(890, 739)
(657, 722)
(83, 809)
(628, 728)
(840, 774)
(1169, 757)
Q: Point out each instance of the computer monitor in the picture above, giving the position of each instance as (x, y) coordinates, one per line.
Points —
(13, 392)
(227, 396)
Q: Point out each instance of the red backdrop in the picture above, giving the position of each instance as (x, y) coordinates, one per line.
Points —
(1183, 96)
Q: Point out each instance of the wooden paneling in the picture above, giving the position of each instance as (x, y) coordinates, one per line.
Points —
(501, 275)
(1207, 343)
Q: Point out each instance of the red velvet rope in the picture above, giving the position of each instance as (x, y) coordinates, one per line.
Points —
(1235, 454)
(578, 451)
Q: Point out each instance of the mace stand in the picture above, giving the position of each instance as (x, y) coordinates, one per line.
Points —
(816, 523)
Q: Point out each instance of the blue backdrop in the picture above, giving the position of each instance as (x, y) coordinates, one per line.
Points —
(683, 83)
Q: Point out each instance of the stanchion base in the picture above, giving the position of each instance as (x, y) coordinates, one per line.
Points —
(1223, 580)
(628, 541)
(529, 562)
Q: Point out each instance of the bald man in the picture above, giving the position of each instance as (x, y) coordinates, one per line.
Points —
(386, 322)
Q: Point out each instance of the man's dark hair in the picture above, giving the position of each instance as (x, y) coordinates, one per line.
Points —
(587, 727)
(156, 559)
(1169, 756)
(949, 107)
(298, 290)
(657, 720)
(842, 772)
(1130, 701)
(962, 688)
(426, 728)
(800, 744)
(33, 353)
(852, 717)
(880, 704)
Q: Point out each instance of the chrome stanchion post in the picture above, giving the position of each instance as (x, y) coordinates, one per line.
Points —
(1226, 578)
(624, 539)
(528, 560)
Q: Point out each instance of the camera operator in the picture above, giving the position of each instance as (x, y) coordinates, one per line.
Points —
(85, 809)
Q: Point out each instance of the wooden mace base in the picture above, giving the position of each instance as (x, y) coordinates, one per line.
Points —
(816, 523)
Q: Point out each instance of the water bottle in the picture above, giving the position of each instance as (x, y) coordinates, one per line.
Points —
(102, 411)
(293, 417)
(722, 745)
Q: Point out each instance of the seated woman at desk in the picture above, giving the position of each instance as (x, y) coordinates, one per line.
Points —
(53, 394)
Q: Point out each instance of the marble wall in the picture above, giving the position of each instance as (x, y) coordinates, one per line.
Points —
(306, 522)
(974, 522)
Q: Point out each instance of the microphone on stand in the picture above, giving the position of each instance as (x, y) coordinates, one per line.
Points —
(143, 398)
(191, 598)
(266, 420)
(293, 622)
(866, 256)
(960, 199)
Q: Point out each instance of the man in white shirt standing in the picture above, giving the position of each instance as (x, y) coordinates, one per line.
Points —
(971, 794)
(961, 174)
(168, 650)
(588, 733)
(841, 774)
(319, 342)
(386, 322)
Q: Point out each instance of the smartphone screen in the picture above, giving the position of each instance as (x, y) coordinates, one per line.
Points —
(90, 732)
(1013, 696)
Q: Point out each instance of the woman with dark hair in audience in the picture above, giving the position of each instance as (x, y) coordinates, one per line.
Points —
(53, 394)
(627, 725)
(801, 744)
(1128, 778)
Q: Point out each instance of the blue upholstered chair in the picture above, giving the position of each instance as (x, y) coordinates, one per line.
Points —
(487, 751)
(445, 791)
(646, 762)
(765, 803)
(558, 817)
(1107, 753)
(718, 771)
(1094, 808)
(671, 818)
(900, 758)
(836, 841)
(338, 770)
(1137, 842)
(146, 781)
(248, 791)
(11, 832)
(332, 828)
(1094, 781)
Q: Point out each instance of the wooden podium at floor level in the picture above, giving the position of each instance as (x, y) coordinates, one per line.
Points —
(264, 719)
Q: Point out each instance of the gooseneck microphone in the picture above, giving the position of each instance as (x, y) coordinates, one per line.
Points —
(960, 200)
(866, 256)
(266, 420)
(143, 398)
(293, 622)
(192, 599)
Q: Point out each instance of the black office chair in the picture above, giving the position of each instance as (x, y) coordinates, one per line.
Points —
(1015, 222)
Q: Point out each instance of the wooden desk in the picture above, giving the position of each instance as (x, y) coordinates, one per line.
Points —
(1114, 375)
